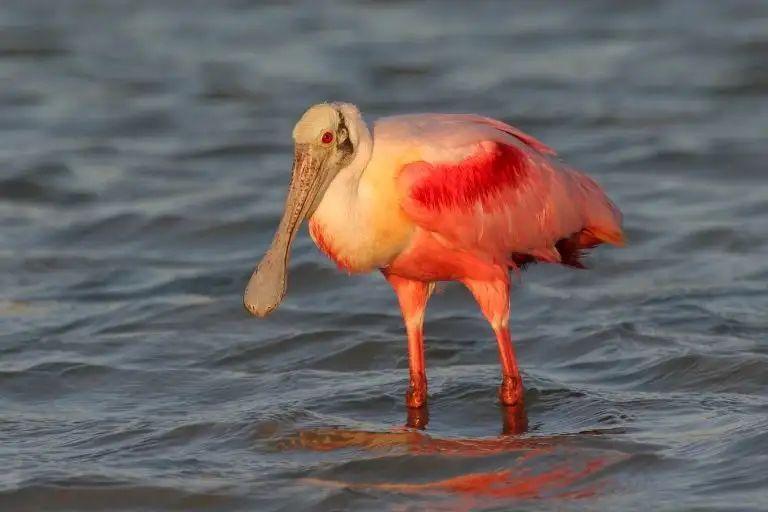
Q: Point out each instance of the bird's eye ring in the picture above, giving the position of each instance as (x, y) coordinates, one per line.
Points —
(327, 138)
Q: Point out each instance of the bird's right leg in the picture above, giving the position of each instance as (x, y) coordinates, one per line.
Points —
(413, 296)
(493, 299)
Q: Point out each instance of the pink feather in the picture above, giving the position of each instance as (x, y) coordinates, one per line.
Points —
(507, 199)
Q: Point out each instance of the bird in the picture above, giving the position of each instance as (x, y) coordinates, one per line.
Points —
(426, 198)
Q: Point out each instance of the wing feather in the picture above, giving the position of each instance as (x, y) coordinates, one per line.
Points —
(505, 195)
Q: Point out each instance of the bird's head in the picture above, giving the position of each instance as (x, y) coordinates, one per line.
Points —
(325, 142)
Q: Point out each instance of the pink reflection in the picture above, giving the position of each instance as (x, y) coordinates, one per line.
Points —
(566, 479)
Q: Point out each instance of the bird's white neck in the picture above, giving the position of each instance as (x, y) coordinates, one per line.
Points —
(340, 224)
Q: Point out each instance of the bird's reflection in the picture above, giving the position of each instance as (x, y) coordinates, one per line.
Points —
(533, 473)
(514, 420)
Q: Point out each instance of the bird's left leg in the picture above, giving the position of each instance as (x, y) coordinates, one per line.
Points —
(493, 299)
(413, 296)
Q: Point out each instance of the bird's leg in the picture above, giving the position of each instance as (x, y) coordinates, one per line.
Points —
(413, 296)
(493, 298)
(511, 389)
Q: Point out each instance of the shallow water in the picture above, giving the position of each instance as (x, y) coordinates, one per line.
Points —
(144, 153)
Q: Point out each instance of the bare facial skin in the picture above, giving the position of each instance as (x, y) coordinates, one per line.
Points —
(322, 148)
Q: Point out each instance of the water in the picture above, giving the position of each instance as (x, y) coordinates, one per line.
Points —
(144, 153)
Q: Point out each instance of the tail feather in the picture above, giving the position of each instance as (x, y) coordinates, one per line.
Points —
(593, 236)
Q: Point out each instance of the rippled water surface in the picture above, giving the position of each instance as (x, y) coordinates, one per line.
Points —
(144, 153)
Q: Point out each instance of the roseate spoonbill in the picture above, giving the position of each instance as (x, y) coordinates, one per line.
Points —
(433, 197)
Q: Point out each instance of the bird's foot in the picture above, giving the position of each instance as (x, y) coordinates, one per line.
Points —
(418, 417)
(511, 391)
(416, 396)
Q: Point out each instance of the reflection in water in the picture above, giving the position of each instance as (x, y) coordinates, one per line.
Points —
(510, 483)
(411, 442)
(514, 420)
(543, 466)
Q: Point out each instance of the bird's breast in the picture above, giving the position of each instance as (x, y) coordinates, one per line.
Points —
(329, 244)
(361, 228)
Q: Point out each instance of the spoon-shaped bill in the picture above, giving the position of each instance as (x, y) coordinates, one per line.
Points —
(268, 284)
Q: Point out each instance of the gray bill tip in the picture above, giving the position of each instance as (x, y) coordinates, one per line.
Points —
(267, 286)
(255, 308)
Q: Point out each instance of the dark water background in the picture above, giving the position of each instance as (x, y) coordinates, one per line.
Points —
(144, 152)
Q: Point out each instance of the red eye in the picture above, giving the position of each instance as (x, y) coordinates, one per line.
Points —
(327, 138)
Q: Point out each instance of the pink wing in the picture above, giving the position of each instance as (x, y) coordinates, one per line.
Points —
(504, 195)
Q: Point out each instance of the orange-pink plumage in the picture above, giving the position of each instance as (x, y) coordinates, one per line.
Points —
(509, 203)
